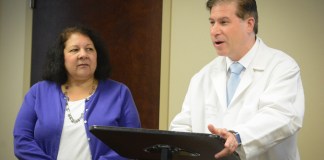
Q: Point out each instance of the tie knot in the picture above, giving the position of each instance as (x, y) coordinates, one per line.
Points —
(236, 68)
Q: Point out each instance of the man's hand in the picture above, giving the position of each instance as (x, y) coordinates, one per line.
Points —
(230, 141)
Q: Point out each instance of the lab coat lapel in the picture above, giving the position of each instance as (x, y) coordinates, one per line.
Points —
(244, 83)
(219, 82)
(258, 64)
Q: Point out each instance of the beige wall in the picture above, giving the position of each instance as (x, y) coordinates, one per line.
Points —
(294, 27)
(15, 46)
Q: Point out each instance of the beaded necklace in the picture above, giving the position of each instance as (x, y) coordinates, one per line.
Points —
(66, 87)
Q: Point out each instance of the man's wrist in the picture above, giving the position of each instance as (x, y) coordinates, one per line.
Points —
(237, 136)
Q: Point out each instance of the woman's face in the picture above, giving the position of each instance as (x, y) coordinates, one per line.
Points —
(80, 57)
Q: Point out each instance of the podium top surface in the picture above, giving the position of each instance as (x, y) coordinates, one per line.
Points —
(146, 144)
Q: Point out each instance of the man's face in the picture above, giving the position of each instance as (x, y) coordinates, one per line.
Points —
(229, 33)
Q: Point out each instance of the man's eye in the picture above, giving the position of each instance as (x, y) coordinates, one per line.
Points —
(223, 22)
(211, 23)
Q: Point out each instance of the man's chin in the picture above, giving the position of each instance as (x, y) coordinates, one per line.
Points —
(221, 53)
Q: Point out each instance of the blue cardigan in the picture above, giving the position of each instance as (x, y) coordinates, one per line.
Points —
(39, 124)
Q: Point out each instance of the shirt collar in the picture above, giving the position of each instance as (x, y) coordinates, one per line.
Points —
(247, 58)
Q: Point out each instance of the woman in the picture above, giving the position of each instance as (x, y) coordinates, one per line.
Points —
(54, 119)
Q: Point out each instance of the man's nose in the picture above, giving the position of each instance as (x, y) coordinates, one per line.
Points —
(215, 30)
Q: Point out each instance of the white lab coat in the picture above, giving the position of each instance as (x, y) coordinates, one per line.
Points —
(267, 109)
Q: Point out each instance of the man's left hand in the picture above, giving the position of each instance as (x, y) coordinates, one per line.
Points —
(230, 141)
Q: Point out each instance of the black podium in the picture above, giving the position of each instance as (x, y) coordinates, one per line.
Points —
(150, 144)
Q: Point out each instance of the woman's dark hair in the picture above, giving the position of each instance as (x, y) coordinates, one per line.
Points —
(245, 9)
(54, 69)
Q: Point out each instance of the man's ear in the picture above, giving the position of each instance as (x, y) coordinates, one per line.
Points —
(250, 22)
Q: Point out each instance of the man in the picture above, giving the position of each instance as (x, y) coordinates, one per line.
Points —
(261, 117)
